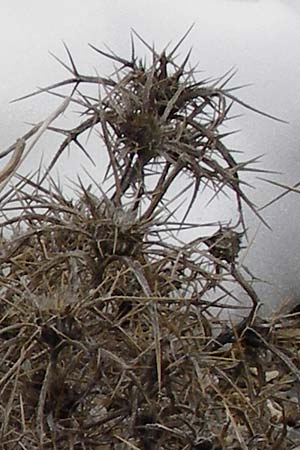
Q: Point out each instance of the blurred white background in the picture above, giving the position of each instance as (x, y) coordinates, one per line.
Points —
(258, 37)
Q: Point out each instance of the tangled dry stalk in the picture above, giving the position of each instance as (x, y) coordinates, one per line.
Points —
(108, 321)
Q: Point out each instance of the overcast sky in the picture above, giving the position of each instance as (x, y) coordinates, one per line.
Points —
(260, 38)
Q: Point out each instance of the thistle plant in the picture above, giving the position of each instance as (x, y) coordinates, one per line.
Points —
(108, 316)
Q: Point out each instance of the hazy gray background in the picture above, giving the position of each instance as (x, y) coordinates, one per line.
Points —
(259, 37)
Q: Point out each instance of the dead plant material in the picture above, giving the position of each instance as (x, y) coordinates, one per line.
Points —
(109, 322)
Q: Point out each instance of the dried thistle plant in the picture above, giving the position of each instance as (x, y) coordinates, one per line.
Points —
(106, 332)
